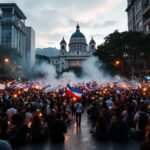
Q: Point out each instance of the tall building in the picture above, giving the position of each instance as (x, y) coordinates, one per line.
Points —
(13, 29)
(15, 34)
(30, 48)
(146, 16)
(139, 20)
(139, 15)
(78, 51)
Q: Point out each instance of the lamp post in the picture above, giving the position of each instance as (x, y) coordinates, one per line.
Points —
(6, 60)
(120, 63)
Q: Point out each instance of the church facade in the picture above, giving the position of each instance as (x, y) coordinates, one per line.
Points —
(78, 51)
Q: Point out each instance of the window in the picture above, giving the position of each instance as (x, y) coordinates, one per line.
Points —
(6, 35)
(63, 47)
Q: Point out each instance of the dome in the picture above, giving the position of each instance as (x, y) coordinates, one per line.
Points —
(77, 33)
(77, 41)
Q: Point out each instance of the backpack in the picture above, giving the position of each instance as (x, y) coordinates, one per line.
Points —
(143, 120)
(79, 106)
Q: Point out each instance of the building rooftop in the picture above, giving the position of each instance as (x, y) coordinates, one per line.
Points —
(18, 11)
(130, 4)
(77, 33)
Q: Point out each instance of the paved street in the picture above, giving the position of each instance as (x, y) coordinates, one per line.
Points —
(81, 139)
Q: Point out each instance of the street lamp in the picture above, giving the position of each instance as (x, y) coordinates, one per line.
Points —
(117, 62)
(120, 63)
(6, 60)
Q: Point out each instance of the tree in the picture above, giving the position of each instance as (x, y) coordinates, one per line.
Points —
(128, 47)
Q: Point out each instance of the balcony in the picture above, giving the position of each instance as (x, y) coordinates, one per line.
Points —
(146, 11)
(146, 21)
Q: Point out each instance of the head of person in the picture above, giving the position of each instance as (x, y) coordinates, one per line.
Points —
(36, 121)
(4, 145)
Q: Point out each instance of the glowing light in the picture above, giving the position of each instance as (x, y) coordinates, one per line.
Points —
(6, 60)
(117, 62)
(29, 124)
(64, 103)
(111, 86)
(9, 123)
(25, 90)
(124, 86)
(40, 114)
(144, 89)
(19, 92)
(74, 99)
(15, 95)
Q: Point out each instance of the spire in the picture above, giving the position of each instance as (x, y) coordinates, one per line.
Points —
(63, 41)
(77, 27)
(92, 40)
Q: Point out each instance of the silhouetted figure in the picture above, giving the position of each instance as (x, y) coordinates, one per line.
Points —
(37, 131)
(79, 111)
(101, 129)
(119, 130)
(58, 129)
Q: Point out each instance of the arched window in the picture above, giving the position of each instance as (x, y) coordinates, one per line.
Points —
(63, 47)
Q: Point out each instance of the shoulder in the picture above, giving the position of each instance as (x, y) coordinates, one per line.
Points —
(4, 145)
(137, 114)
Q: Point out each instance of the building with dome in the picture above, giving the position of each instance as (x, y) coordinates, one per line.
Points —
(77, 52)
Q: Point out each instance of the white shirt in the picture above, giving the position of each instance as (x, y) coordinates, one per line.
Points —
(79, 108)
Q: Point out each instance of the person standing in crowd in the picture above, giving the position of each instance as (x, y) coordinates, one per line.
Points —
(3, 126)
(146, 144)
(141, 120)
(4, 145)
(58, 129)
(79, 111)
(119, 129)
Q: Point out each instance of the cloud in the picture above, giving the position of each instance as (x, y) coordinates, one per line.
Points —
(52, 19)
(106, 24)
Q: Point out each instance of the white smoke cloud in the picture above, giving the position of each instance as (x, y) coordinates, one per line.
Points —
(92, 72)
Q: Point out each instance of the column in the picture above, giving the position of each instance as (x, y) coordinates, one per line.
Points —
(12, 36)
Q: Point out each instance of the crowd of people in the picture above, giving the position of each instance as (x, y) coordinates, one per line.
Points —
(121, 115)
(33, 116)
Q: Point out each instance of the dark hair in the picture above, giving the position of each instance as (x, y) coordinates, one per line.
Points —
(102, 123)
(36, 121)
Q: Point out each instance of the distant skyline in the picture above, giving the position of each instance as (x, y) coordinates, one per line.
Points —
(54, 19)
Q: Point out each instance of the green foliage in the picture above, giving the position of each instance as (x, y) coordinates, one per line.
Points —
(128, 47)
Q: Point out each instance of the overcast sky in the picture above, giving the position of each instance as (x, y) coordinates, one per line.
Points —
(53, 19)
